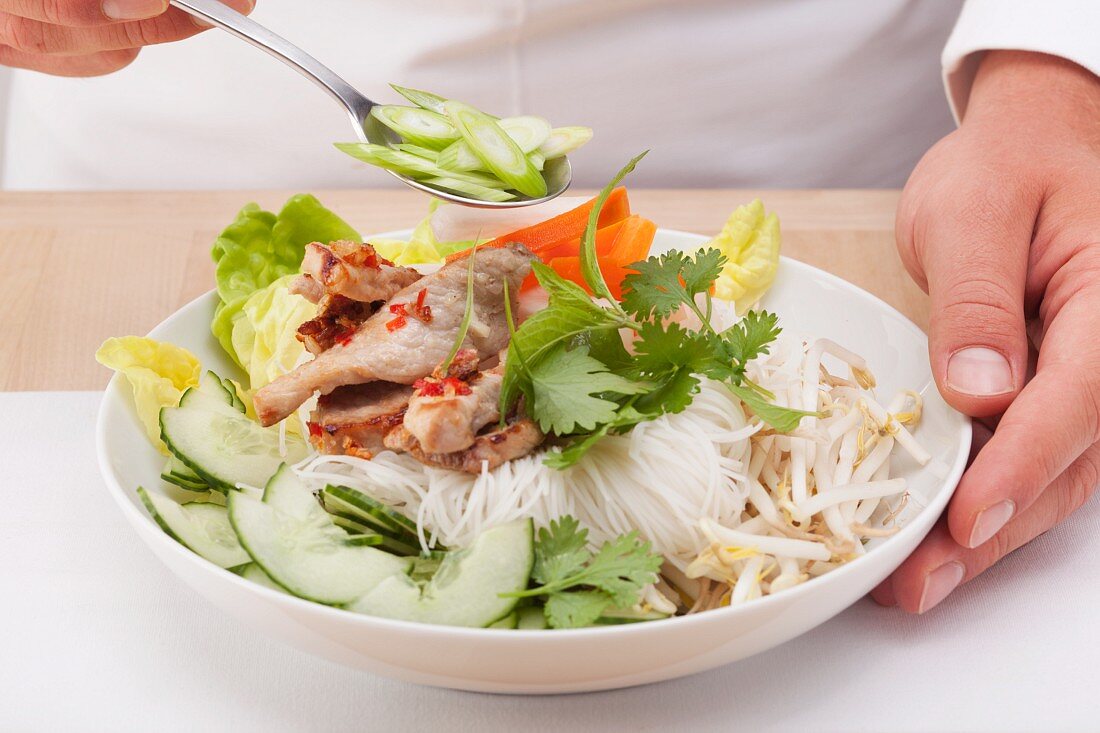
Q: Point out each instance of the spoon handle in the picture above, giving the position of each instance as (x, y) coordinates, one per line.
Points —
(230, 20)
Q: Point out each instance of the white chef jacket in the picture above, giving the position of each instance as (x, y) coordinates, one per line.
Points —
(762, 93)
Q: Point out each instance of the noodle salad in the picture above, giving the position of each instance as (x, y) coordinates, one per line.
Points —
(553, 428)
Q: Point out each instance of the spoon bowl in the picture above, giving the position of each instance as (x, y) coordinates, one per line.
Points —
(558, 173)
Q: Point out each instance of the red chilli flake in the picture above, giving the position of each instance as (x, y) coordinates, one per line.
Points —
(421, 311)
(315, 430)
(396, 323)
(457, 386)
(345, 336)
(428, 388)
(398, 309)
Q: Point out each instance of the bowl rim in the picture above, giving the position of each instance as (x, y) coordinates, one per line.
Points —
(758, 605)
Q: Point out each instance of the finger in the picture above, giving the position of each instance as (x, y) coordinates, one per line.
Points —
(940, 564)
(34, 36)
(982, 432)
(975, 263)
(83, 12)
(95, 64)
(1053, 421)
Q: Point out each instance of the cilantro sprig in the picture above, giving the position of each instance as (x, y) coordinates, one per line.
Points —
(579, 585)
(579, 382)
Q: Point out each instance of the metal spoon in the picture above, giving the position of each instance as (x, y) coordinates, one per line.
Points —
(557, 172)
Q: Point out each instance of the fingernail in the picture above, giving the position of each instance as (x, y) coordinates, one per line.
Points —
(939, 583)
(133, 9)
(979, 371)
(990, 521)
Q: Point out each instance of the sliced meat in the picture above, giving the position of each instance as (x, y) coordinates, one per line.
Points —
(492, 449)
(354, 420)
(308, 288)
(355, 271)
(446, 412)
(404, 348)
(338, 319)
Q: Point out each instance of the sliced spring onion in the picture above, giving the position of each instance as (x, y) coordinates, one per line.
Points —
(411, 165)
(459, 157)
(499, 152)
(424, 100)
(564, 140)
(473, 190)
(426, 153)
(537, 159)
(417, 126)
(528, 131)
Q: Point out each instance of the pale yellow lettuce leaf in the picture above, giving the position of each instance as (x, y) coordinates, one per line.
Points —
(265, 336)
(157, 372)
(750, 241)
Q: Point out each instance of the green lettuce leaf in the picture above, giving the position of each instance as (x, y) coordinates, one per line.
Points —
(260, 247)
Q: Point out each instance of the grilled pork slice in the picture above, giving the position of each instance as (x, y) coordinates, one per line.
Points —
(491, 449)
(414, 332)
(447, 410)
(353, 270)
(354, 420)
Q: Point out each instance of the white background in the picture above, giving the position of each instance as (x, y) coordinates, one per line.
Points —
(95, 634)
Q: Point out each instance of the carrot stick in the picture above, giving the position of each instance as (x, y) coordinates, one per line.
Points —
(632, 240)
(564, 228)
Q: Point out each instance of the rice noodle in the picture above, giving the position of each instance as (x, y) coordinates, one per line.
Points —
(737, 510)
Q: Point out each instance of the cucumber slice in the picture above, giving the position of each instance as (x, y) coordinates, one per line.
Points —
(459, 157)
(369, 540)
(564, 140)
(255, 573)
(176, 472)
(508, 622)
(417, 126)
(234, 395)
(202, 528)
(528, 131)
(357, 505)
(466, 589)
(425, 153)
(222, 446)
(497, 151)
(424, 100)
(472, 190)
(197, 398)
(293, 540)
(532, 618)
(615, 616)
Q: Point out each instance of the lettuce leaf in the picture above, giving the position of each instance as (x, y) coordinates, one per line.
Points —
(421, 248)
(260, 247)
(264, 336)
(158, 373)
(750, 240)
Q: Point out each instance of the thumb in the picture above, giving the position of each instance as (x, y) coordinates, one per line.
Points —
(975, 263)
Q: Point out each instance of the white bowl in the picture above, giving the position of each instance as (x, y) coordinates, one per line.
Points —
(810, 303)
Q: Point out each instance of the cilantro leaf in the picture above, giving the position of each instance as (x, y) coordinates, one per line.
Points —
(654, 289)
(578, 585)
(700, 272)
(750, 337)
(567, 294)
(564, 386)
(621, 568)
(672, 395)
(661, 349)
(783, 419)
(661, 284)
(561, 550)
(575, 610)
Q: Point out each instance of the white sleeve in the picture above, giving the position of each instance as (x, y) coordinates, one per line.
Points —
(1066, 28)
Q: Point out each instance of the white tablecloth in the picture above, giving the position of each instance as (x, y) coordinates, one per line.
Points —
(95, 634)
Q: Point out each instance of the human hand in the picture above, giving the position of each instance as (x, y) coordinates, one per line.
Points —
(90, 37)
(1000, 223)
